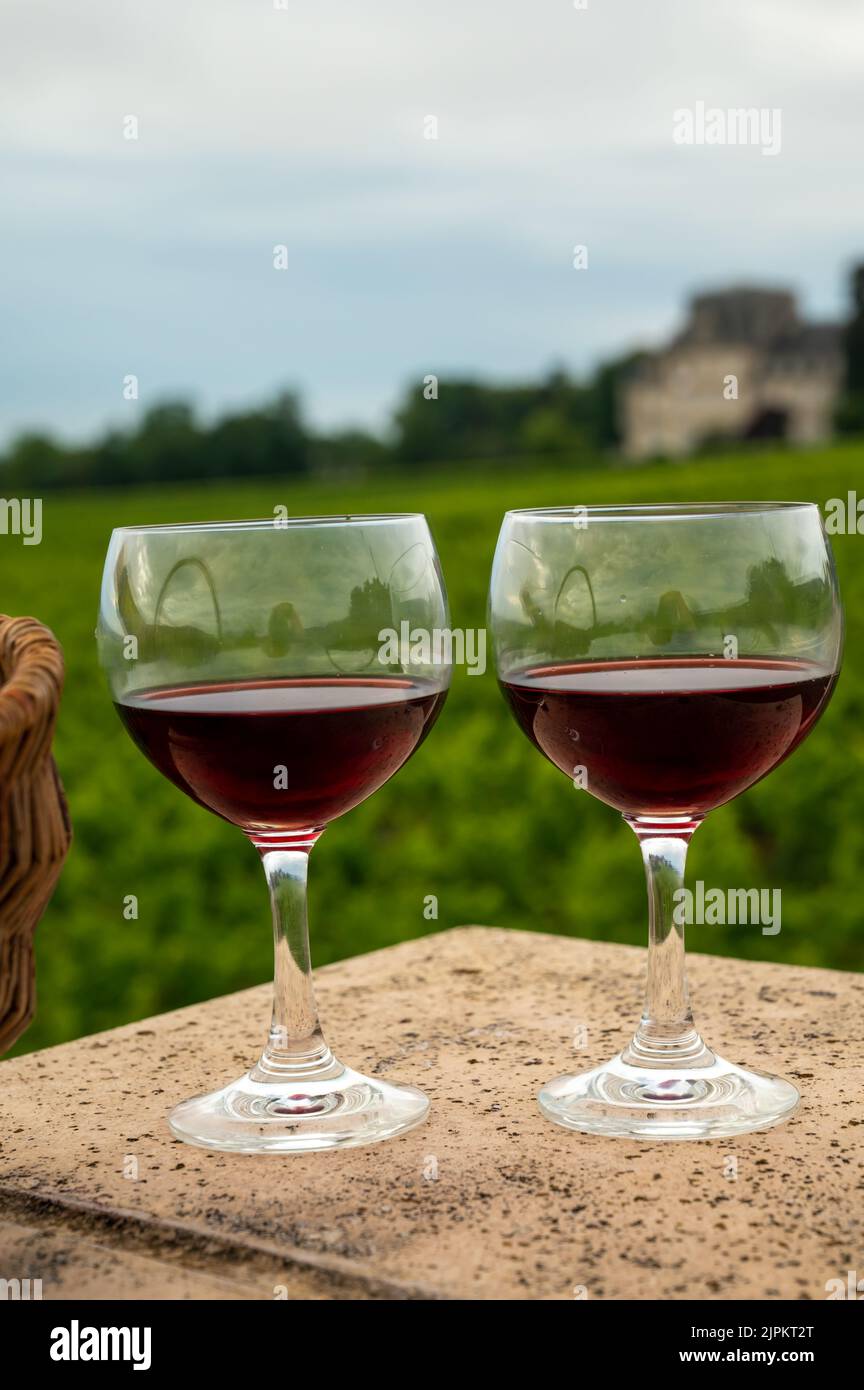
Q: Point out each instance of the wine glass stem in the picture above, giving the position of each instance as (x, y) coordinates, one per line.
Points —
(296, 1047)
(666, 1036)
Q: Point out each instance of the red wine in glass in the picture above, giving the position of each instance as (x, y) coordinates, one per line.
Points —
(576, 594)
(668, 737)
(282, 755)
(220, 642)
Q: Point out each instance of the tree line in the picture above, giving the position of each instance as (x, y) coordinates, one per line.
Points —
(436, 421)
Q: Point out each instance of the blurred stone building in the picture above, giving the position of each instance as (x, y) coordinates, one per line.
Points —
(744, 367)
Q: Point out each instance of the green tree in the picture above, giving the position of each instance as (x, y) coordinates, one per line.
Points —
(850, 414)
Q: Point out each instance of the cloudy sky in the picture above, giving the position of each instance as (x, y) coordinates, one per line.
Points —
(305, 126)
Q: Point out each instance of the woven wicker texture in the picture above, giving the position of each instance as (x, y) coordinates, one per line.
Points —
(34, 822)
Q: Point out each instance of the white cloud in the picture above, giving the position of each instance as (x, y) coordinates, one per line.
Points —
(306, 126)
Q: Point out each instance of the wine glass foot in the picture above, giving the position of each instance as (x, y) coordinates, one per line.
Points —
(275, 1116)
(713, 1102)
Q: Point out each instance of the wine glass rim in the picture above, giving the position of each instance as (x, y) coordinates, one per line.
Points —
(658, 510)
(271, 523)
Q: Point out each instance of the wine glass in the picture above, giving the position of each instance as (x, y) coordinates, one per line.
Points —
(269, 669)
(666, 658)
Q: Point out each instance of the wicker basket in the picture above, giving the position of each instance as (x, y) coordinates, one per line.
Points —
(34, 822)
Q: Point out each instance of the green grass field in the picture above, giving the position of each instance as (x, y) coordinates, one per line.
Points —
(478, 818)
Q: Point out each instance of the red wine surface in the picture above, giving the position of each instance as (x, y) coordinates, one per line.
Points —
(337, 740)
(669, 737)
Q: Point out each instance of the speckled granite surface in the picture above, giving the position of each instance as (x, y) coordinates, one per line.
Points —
(486, 1199)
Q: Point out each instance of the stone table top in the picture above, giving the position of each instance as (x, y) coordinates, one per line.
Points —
(486, 1200)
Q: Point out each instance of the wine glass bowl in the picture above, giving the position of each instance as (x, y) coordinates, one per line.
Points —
(250, 662)
(666, 659)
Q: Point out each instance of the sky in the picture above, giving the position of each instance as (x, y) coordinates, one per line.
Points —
(306, 126)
